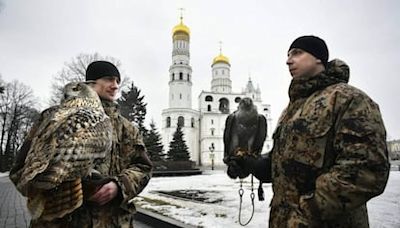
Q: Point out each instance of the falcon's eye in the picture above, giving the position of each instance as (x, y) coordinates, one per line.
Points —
(76, 88)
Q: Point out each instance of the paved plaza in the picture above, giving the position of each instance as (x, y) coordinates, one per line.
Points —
(13, 211)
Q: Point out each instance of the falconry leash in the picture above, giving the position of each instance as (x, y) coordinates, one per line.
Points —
(252, 195)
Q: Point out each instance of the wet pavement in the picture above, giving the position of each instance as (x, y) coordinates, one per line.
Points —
(13, 211)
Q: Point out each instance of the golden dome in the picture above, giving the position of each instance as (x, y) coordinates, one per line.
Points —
(221, 59)
(181, 28)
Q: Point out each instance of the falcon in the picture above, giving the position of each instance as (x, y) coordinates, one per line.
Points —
(245, 131)
(68, 139)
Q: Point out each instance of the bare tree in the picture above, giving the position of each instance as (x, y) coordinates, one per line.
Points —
(1, 6)
(75, 71)
(17, 115)
(1, 84)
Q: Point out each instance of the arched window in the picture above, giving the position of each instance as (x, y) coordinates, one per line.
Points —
(209, 98)
(181, 121)
(168, 122)
(212, 121)
(173, 76)
(224, 105)
(188, 77)
(180, 76)
(192, 122)
(212, 131)
(209, 108)
(237, 99)
(180, 96)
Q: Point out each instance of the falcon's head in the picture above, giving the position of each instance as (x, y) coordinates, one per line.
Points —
(246, 104)
(247, 113)
(79, 91)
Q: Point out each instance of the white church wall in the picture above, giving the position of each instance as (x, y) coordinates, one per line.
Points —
(180, 94)
(191, 134)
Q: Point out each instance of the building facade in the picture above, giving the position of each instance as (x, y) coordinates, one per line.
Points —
(179, 109)
(204, 127)
(394, 149)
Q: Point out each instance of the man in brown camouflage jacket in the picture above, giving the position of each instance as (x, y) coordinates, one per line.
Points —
(123, 173)
(329, 156)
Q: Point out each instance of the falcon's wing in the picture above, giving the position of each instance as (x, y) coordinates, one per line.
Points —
(17, 169)
(260, 135)
(66, 147)
(228, 131)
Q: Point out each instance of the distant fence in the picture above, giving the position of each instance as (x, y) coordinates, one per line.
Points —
(175, 168)
(395, 165)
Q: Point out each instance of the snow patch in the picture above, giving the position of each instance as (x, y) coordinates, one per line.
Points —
(383, 210)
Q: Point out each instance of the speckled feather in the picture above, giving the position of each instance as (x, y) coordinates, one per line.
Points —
(65, 145)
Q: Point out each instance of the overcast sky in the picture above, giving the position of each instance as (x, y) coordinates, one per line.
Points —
(38, 37)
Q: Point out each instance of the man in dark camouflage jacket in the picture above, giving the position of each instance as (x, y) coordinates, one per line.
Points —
(329, 156)
(108, 199)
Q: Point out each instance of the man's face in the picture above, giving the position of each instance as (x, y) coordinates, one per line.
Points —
(302, 63)
(107, 87)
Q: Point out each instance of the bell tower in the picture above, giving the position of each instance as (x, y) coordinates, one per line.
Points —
(179, 111)
(180, 71)
(221, 70)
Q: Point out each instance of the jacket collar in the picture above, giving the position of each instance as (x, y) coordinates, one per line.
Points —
(111, 108)
(337, 71)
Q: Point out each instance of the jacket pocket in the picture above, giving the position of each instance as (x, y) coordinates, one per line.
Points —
(311, 143)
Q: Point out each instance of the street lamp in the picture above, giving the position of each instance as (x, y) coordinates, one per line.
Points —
(212, 148)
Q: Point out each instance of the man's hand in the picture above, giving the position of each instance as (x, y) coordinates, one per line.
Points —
(240, 166)
(105, 193)
(243, 166)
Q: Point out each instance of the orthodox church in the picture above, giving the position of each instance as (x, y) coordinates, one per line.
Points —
(203, 127)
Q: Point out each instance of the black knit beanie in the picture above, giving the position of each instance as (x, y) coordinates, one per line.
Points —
(99, 69)
(313, 45)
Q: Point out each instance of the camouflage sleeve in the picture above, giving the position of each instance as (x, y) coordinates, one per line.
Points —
(138, 167)
(361, 168)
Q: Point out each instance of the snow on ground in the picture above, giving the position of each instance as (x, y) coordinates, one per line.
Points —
(384, 210)
(222, 214)
(4, 174)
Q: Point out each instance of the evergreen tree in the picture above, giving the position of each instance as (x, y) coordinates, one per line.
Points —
(153, 143)
(133, 107)
(178, 150)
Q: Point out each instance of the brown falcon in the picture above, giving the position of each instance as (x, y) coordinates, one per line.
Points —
(245, 132)
(68, 139)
